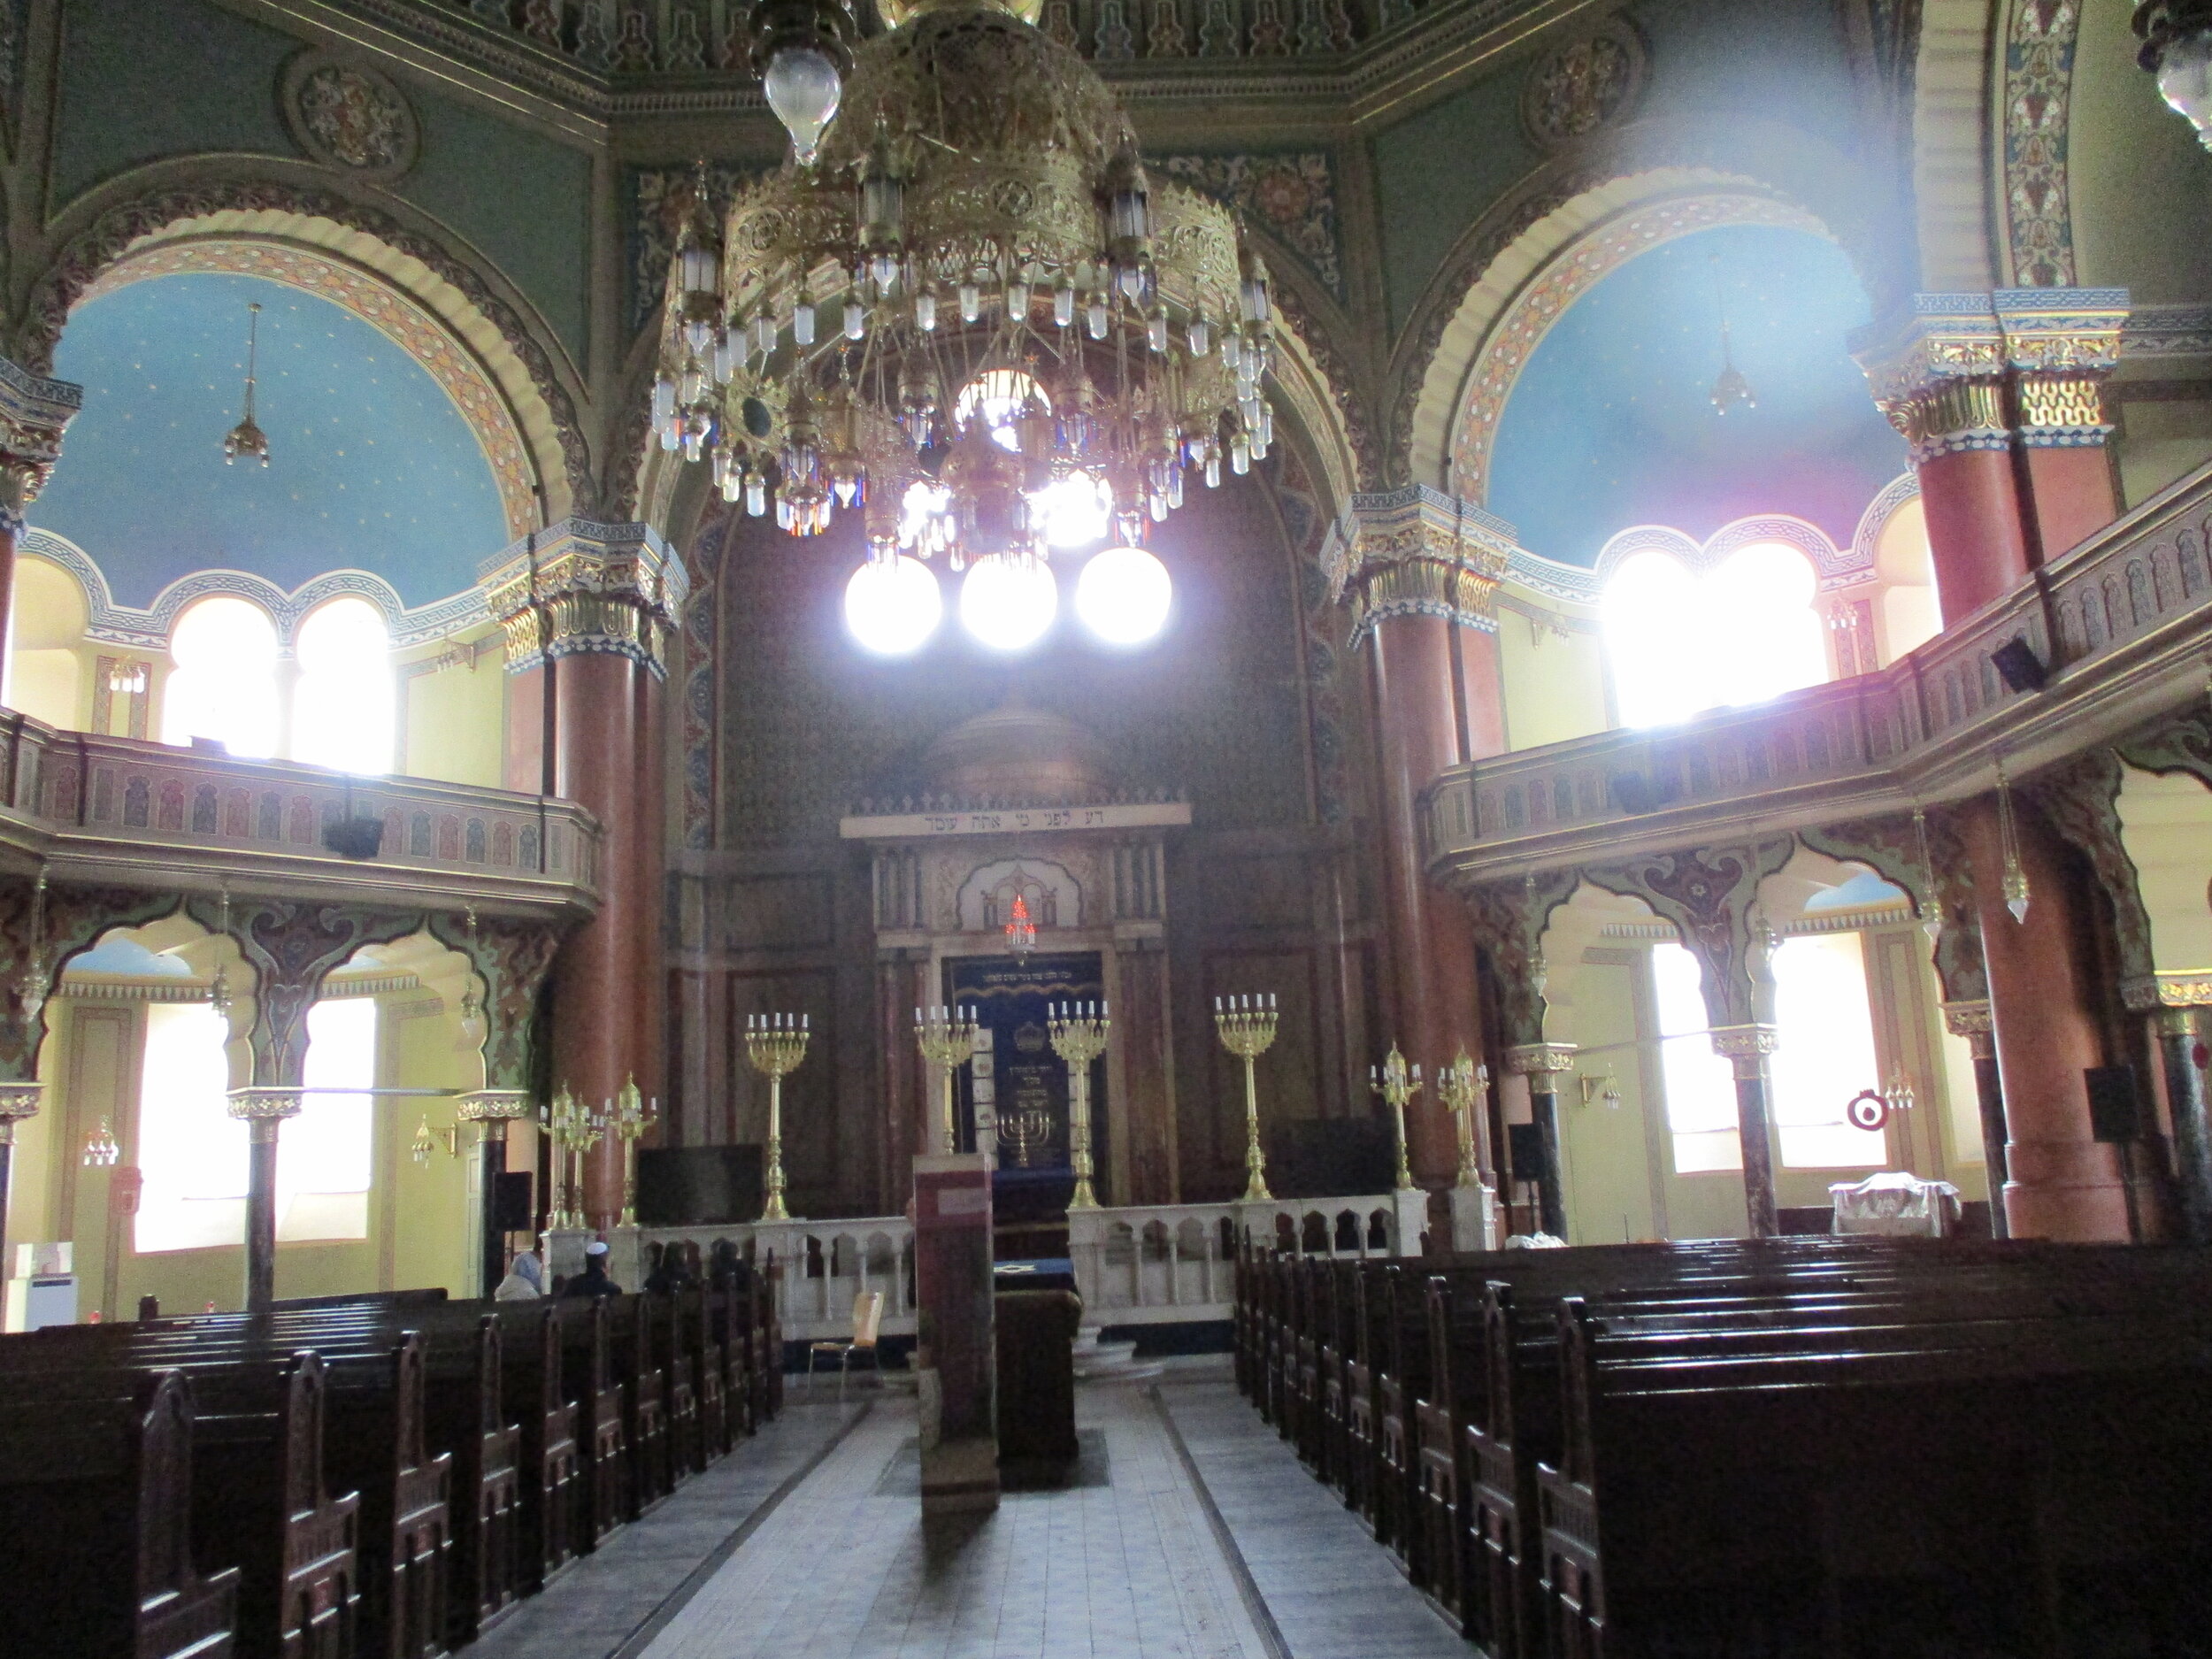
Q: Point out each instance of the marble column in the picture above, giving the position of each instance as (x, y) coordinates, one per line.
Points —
(1746, 1049)
(264, 1110)
(1542, 1063)
(589, 608)
(18, 1102)
(1970, 1020)
(34, 411)
(2060, 345)
(491, 1111)
(1420, 571)
(2174, 1001)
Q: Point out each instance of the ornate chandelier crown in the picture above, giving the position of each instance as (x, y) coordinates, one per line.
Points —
(972, 316)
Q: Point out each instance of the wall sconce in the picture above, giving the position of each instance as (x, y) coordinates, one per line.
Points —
(127, 678)
(102, 1151)
(1600, 1088)
(426, 1140)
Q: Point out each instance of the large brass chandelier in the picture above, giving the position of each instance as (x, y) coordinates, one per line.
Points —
(963, 311)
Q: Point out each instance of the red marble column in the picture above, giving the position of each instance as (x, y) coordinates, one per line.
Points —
(2060, 1181)
(1975, 539)
(1424, 581)
(1147, 1109)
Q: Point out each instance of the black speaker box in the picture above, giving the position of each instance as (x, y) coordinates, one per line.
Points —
(514, 1206)
(2115, 1111)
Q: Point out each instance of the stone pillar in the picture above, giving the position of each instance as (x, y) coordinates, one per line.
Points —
(33, 410)
(1746, 1047)
(1541, 1062)
(589, 607)
(2001, 399)
(18, 1101)
(957, 1352)
(1145, 1114)
(2060, 1181)
(1970, 1020)
(1420, 571)
(491, 1111)
(2173, 1000)
(264, 1110)
(2061, 344)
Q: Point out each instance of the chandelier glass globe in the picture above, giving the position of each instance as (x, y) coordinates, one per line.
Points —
(1122, 596)
(1008, 602)
(892, 606)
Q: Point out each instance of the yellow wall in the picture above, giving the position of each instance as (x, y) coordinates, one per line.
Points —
(453, 720)
(1554, 683)
(2166, 826)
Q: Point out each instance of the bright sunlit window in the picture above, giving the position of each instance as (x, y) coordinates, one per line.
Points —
(225, 684)
(1824, 1054)
(1700, 1087)
(341, 714)
(1679, 642)
(193, 1152)
(324, 1156)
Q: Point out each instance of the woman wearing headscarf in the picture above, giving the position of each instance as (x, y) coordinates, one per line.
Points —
(525, 1281)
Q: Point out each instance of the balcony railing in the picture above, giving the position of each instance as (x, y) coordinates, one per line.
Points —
(97, 807)
(2116, 626)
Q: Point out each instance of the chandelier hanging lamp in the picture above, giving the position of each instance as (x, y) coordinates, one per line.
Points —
(963, 311)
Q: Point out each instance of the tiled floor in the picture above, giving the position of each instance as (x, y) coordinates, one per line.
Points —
(1252, 1560)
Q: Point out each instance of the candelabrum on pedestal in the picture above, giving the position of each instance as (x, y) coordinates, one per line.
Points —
(1248, 1030)
(632, 1116)
(1079, 1037)
(775, 1043)
(1461, 1086)
(947, 1037)
(1397, 1084)
(574, 1130)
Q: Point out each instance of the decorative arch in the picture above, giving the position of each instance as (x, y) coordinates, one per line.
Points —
(1557, 280)
(1826, 559)
(149, 629)
(343, 233)
(1644, 162)
(1954, 70)
(385, 307)
(1054, 896)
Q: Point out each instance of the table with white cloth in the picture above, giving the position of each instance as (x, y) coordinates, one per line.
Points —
(1897, 1202)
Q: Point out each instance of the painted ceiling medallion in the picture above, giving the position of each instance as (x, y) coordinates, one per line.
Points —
(350, 117)
(1583, 85)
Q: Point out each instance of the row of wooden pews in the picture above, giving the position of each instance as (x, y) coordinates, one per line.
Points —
(375, 1475)
(1772, 1448)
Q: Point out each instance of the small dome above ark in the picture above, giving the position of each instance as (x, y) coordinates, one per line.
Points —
(1015, 752)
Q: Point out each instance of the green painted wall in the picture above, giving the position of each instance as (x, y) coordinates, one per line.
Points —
(1436, 173)
(141, 80)
(522, 199)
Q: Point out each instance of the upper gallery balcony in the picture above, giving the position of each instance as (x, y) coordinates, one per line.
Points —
(2115, 631)
(95, 808)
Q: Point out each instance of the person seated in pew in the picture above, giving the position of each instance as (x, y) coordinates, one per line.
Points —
(592, 1281)
(525, 1280)
(670, 1273)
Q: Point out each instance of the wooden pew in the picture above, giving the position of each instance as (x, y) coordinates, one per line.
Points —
(601, 1442)
(101, 1559)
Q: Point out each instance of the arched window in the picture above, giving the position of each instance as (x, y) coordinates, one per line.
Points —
(225, 686)
(341, 714)
(1681, 642)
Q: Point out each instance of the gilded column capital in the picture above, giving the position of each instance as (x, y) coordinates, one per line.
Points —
(579, 588)
(2061, 344)
(1418, 552)
(1538, 1059)
(264, 1108)
(18, 1101)
(493, 1105)
(1938, 372)
(1971, 1020)
(1746, 1047)
(34, 411)
(2184, 987)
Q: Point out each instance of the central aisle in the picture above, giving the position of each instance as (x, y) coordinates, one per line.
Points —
(1129, 1568)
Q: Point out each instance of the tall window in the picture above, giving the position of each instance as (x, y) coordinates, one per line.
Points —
(192, 1150)
(1681, 642)
(1823, 1055)
(324, 1156)
(225, 684)
(1826, 1054)
(1700, 1087)
(341, 714)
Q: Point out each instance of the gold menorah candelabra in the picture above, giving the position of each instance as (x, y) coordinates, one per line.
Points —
(1079, 1037)
(574, 1130)
(632, 1116)
(1030, 1131)
(947, 1037)
(1248, 1030)
(1396, 1084)
(775, 1043)
(1460, 1086)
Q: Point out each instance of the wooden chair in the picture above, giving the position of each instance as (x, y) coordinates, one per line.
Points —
(867, 1322)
